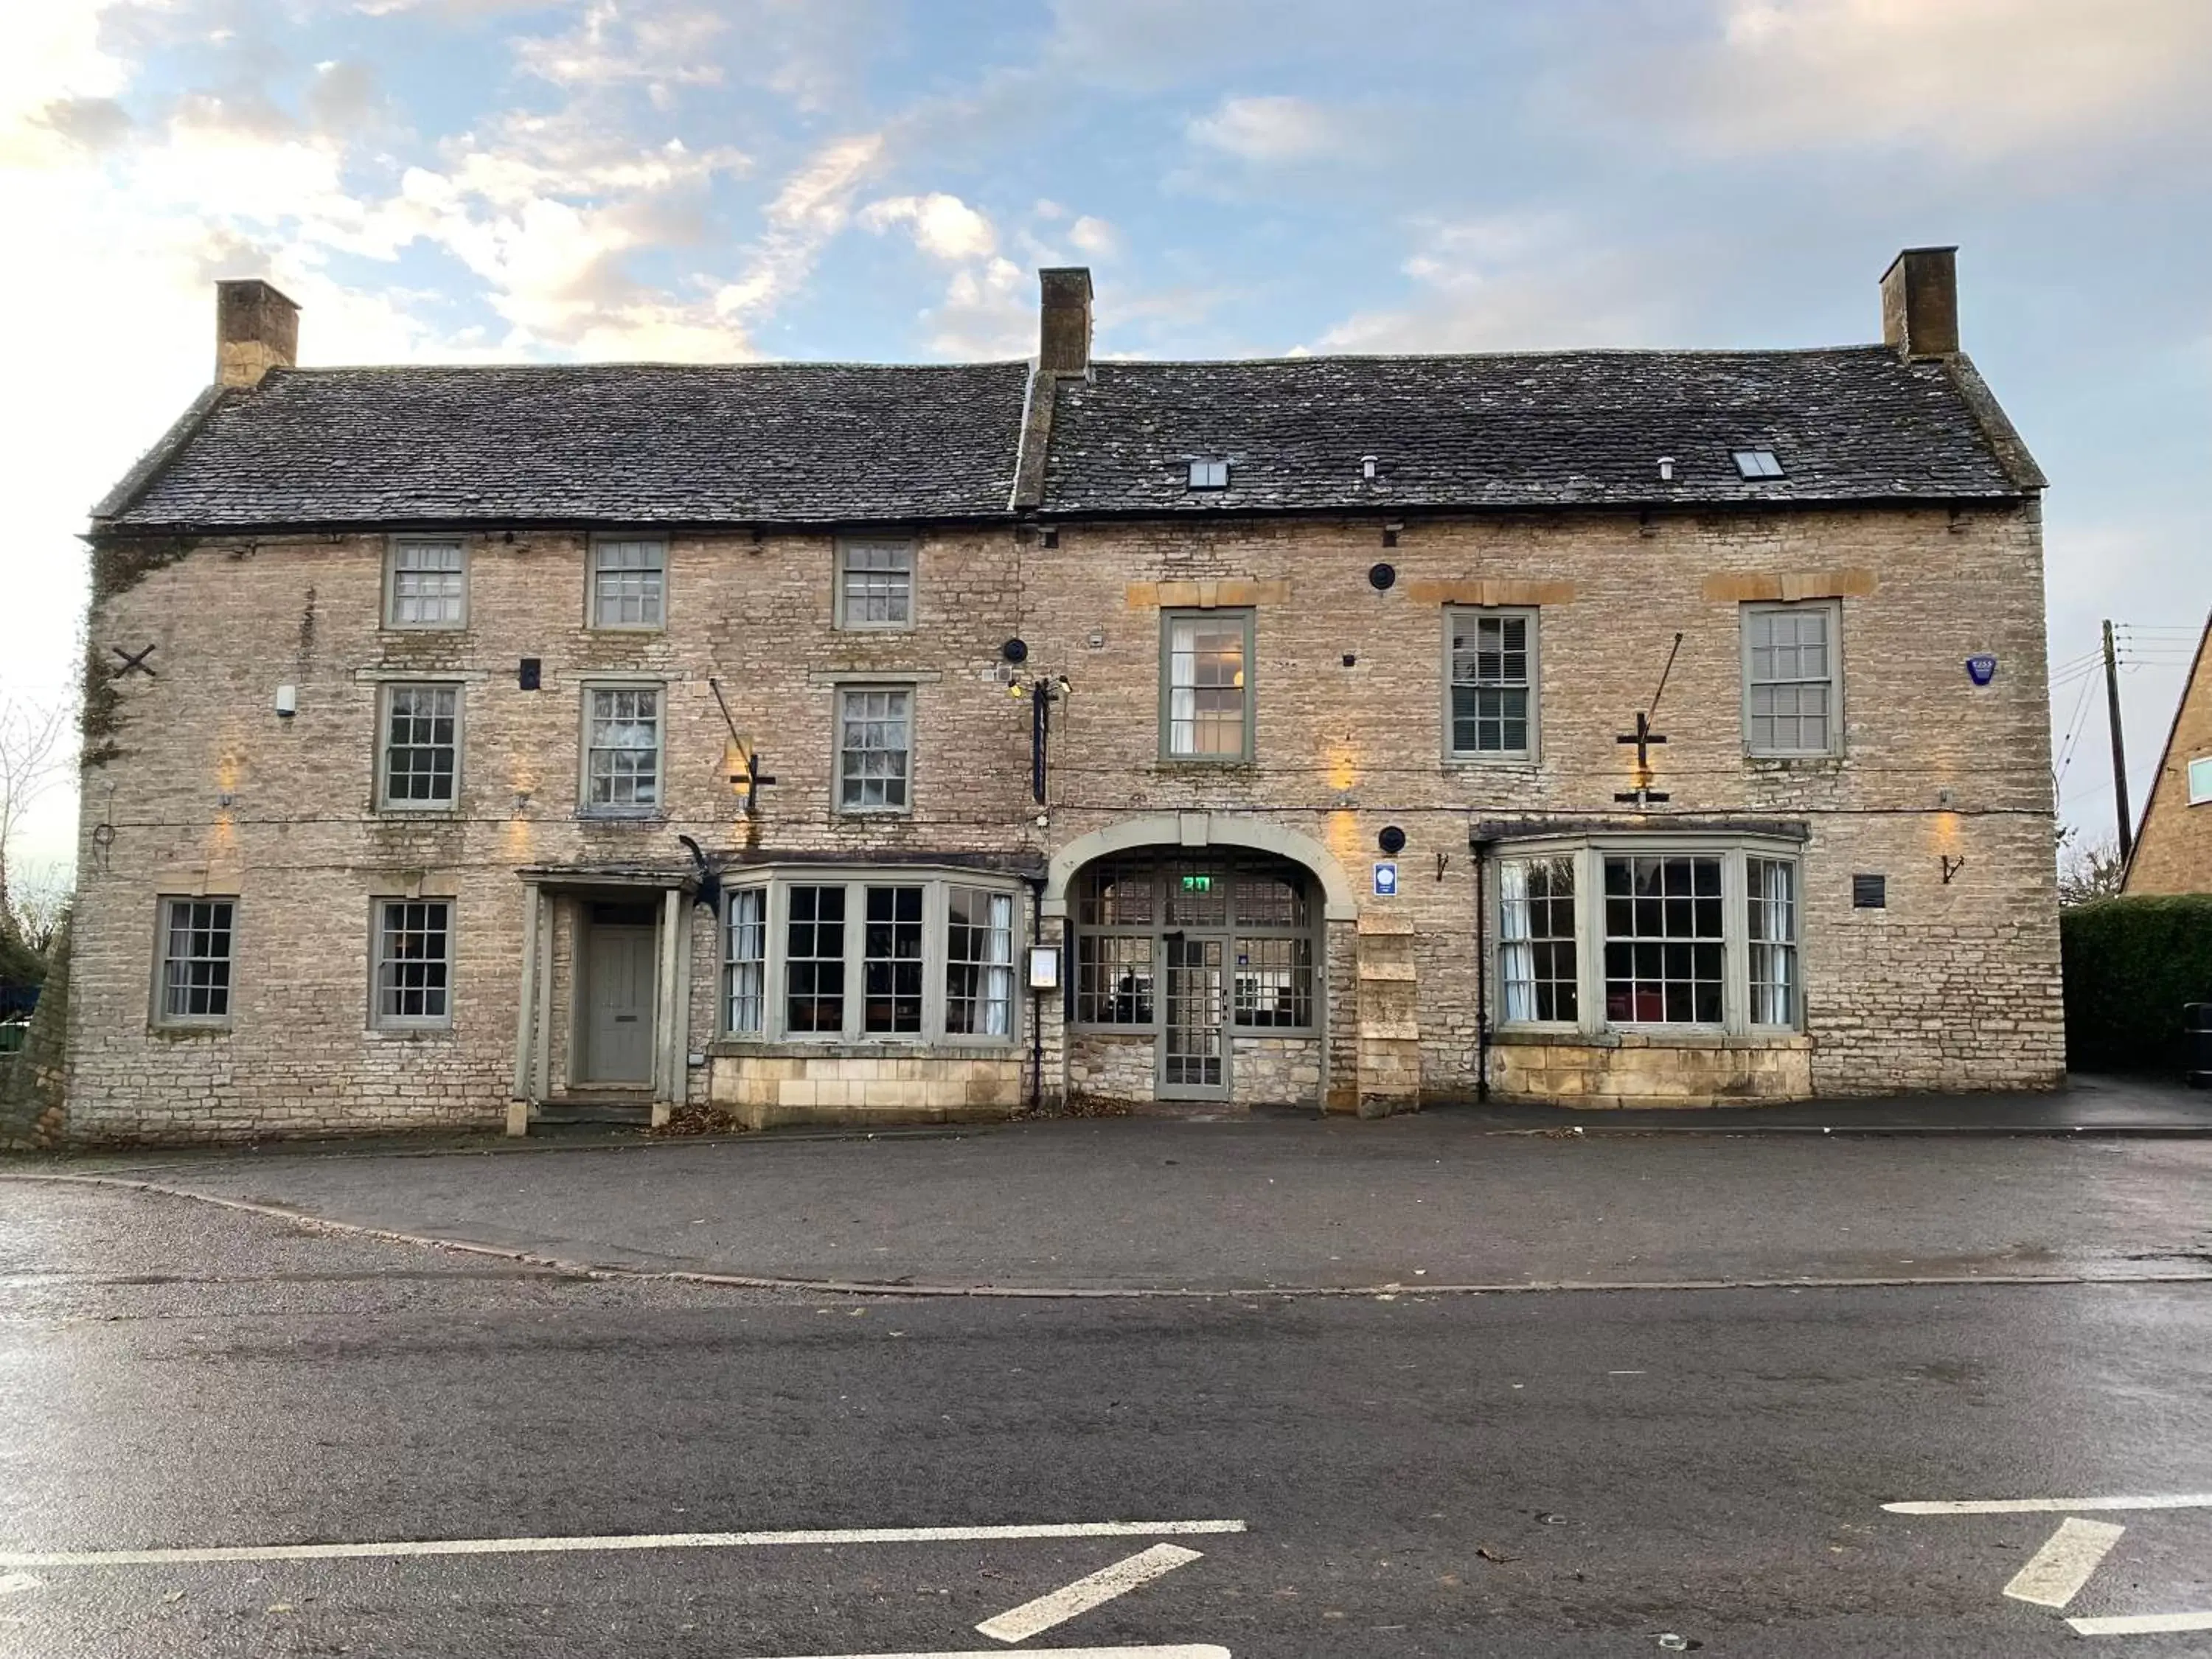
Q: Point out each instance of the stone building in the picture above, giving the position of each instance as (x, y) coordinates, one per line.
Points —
(2173, 851)
(470, 745)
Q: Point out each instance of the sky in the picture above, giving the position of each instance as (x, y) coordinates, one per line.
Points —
(444, 180)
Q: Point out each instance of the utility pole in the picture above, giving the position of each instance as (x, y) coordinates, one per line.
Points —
(2119, 747)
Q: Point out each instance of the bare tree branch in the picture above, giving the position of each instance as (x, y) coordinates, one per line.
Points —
(38, 899)
(32, 759)
(2088, 869)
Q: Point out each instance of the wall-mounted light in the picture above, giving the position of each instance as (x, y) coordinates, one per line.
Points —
(287, 701)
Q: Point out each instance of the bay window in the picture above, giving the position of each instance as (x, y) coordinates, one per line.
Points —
(1694, 932)
(868, 956)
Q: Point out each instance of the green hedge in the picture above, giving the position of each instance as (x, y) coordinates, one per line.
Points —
(2130, 965)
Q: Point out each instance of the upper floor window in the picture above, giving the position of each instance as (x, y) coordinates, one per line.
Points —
(414, 963)
(842, 956)
(1699, 931)
(425, 584)
(420, 759)
(2200, 781)
(1493, 683)
(875, 584)
(197, 936)
(875, 748)
(1792, 678)
(1206, 711)
(628, 583)
(622, 747)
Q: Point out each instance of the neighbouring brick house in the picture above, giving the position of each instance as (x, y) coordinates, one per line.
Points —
(2172, 852)
(1286, 708)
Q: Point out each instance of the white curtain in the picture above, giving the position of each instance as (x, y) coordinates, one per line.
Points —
(999, 966)
(1516, 958)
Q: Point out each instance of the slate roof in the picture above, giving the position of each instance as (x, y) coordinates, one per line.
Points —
(834, 443)
(1525, 430)
(631, 444)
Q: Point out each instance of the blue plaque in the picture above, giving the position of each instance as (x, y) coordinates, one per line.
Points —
(1386, 878)
(1981, 669)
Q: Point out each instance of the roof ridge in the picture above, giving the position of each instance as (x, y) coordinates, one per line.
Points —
(763, 364)
(1859, 349)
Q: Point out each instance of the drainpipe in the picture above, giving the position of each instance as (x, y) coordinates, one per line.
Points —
(1480, 849)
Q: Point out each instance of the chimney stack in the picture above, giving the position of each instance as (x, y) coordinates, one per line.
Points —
(1920, 303)
(255, 329)
(1064, 329)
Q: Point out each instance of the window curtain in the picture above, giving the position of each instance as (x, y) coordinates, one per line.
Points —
(999, 966)
(1517, 956)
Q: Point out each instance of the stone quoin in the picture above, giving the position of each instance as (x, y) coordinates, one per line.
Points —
(521, 740)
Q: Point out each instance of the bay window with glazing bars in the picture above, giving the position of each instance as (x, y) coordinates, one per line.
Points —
(868, 957)
(1620, 935)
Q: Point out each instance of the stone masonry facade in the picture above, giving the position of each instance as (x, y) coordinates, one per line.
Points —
(1952, 985)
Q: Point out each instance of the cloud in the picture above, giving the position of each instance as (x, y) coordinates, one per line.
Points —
(660, 47)
(943, 226)
(1974, 80)
(1271, 130)
(1536, 281)
(814, 203)
(1094, 237)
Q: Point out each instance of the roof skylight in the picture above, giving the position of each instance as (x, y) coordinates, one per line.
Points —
(1209, 475)
(1757, 463)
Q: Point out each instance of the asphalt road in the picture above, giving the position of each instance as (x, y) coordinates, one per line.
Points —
(1569, 1474)
(1307, 1202)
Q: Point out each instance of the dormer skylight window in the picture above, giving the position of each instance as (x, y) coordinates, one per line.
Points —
(1209, 475)
(1757, 463)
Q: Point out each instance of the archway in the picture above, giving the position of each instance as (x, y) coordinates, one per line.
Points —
(1197, 951)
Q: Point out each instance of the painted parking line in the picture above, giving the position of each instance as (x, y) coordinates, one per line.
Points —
(1034, 1618)
(2184, 1500)
(1177, 1651)
(659, 1540)
(2143, 1624)
(2055, 1574)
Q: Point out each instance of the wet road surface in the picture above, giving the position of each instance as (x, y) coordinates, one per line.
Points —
(1569, 1474)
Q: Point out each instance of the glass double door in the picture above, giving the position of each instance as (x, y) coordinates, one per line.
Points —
(1194, 1016)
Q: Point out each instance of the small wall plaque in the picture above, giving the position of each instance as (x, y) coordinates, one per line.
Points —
(1869, 892)
(1386, 878)
(1044, 967)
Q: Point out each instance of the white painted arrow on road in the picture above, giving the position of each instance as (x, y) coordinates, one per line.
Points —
(1034, 1618)
(2055, 1574)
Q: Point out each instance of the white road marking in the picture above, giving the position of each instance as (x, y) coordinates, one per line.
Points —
(1033, 1618)
(659, 1540)
(2055, 1574)
(11, 1583)
(2142, 1624)
(2178, 1500)
(1183, 1650)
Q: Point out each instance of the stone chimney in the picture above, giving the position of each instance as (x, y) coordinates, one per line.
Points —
(1920, 303)
(1064, 329)
(255, 329)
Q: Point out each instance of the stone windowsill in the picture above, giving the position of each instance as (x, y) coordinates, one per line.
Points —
(748, 1049)
(1714, 1042)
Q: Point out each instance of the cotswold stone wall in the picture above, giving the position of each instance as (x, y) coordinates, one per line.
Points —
(207, 790)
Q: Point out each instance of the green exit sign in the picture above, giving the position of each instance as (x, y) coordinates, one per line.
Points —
(1198, 883)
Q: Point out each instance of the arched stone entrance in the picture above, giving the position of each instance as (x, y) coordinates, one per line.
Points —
(1198, 961)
